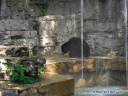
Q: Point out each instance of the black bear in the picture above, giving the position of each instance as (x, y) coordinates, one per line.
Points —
(73, 46)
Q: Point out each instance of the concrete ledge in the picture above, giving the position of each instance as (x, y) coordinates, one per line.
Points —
(97, 70)
(62, 64)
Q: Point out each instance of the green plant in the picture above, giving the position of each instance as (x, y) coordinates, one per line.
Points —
(41, 70)
(43, 9)
(9, 67)
(18, 75)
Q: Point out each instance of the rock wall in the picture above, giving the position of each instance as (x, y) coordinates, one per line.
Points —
(104, 27)
(16, 24)
(59, 20)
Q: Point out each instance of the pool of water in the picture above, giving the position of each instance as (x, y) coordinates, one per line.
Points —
(102, 91)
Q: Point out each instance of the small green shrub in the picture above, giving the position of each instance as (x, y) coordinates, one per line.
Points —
(18, 75)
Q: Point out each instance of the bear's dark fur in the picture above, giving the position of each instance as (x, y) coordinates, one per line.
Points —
(73, 46)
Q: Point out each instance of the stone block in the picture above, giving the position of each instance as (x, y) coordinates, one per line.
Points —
(2, 35)
(99, 26)
(47, 42)
(24, 34)
(63, 86)
(11, 24)
(63, 8)
(7, 92)
(33, 92)
(6, 42)
(25, 42)
(24, 93)
(105, 44)
(59, 67)
(90, 64)
(50, 18)
(58, 25)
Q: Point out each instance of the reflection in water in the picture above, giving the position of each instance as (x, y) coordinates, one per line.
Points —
(126, 34)
(82, 57)
(104, 75)
(103, 68)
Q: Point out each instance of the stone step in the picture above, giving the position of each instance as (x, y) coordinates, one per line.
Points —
(18, 38)
(17, 42)
(50, 85)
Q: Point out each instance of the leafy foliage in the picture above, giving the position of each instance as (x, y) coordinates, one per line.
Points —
(41, 70)
(18, 74)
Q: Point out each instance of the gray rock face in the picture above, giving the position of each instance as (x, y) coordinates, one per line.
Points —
(104, 27)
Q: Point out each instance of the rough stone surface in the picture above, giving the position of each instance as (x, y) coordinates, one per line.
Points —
(50, 85)
(24, 93)
(7, 92)
(107, 43)
(26, 42)
(60, 21)
(101, 20)
(11, 25)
